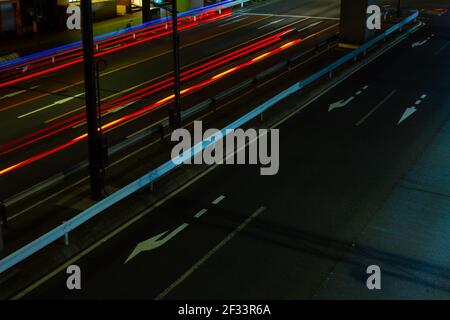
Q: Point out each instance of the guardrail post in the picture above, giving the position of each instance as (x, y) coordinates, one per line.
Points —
(1, 240)
(66, 237)
(3, 214)
(330, 74)
(161, 132)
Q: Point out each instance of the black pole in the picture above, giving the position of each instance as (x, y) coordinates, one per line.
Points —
(146, 11)
(399, 8)
(91, 100)
(175, 112)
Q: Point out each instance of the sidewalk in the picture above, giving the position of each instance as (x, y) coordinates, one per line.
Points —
(409, 239)
(31, 43)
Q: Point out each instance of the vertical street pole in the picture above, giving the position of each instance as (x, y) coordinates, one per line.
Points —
(145, 11)
(175, 112)
(91, 100)
(399, 8)
(1, 240)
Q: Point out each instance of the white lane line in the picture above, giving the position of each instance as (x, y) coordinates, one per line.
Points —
(231, 22)
(13, 94)
(10, 95)
(200, 213)
(418, 102)
(79, 125)
(206, 257)
(289, 16)
(270, 23)
(423, 96)
(59, 102)
(218, 200)
(375, 108)
(310, 26)
(442, 48)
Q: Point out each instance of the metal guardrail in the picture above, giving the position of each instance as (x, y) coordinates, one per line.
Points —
(61, 231)
(61, 49)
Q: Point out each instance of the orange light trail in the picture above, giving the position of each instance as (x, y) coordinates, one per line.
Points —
(148, 108)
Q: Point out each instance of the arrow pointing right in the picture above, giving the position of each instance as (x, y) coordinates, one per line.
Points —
(408, 112)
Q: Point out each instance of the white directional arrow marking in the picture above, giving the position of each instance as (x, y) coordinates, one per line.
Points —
(419, 43)
(155, 242)
(408, 112)
(340, 104)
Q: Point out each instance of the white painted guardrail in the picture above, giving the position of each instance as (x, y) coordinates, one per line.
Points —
(61, 231)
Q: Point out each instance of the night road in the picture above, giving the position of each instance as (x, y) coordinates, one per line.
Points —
(358, 207)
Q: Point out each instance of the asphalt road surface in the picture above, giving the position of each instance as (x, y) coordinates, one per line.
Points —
(58, 97)
(305, 232)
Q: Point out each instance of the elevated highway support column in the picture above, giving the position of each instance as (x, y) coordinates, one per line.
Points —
(354, 31)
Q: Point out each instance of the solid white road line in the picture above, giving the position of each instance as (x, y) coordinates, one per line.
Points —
(442, 48)
(270, 23)
(231, 22)
(62, 101)
(375, 108)
(206, 257)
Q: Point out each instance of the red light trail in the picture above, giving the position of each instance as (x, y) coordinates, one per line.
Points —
(135, 115)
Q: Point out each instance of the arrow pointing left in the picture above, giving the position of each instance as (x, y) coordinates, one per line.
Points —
(340, 104)
(156, 242)
(419, 43)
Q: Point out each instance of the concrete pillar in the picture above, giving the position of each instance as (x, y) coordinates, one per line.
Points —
(353, 22)
(19, 29)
